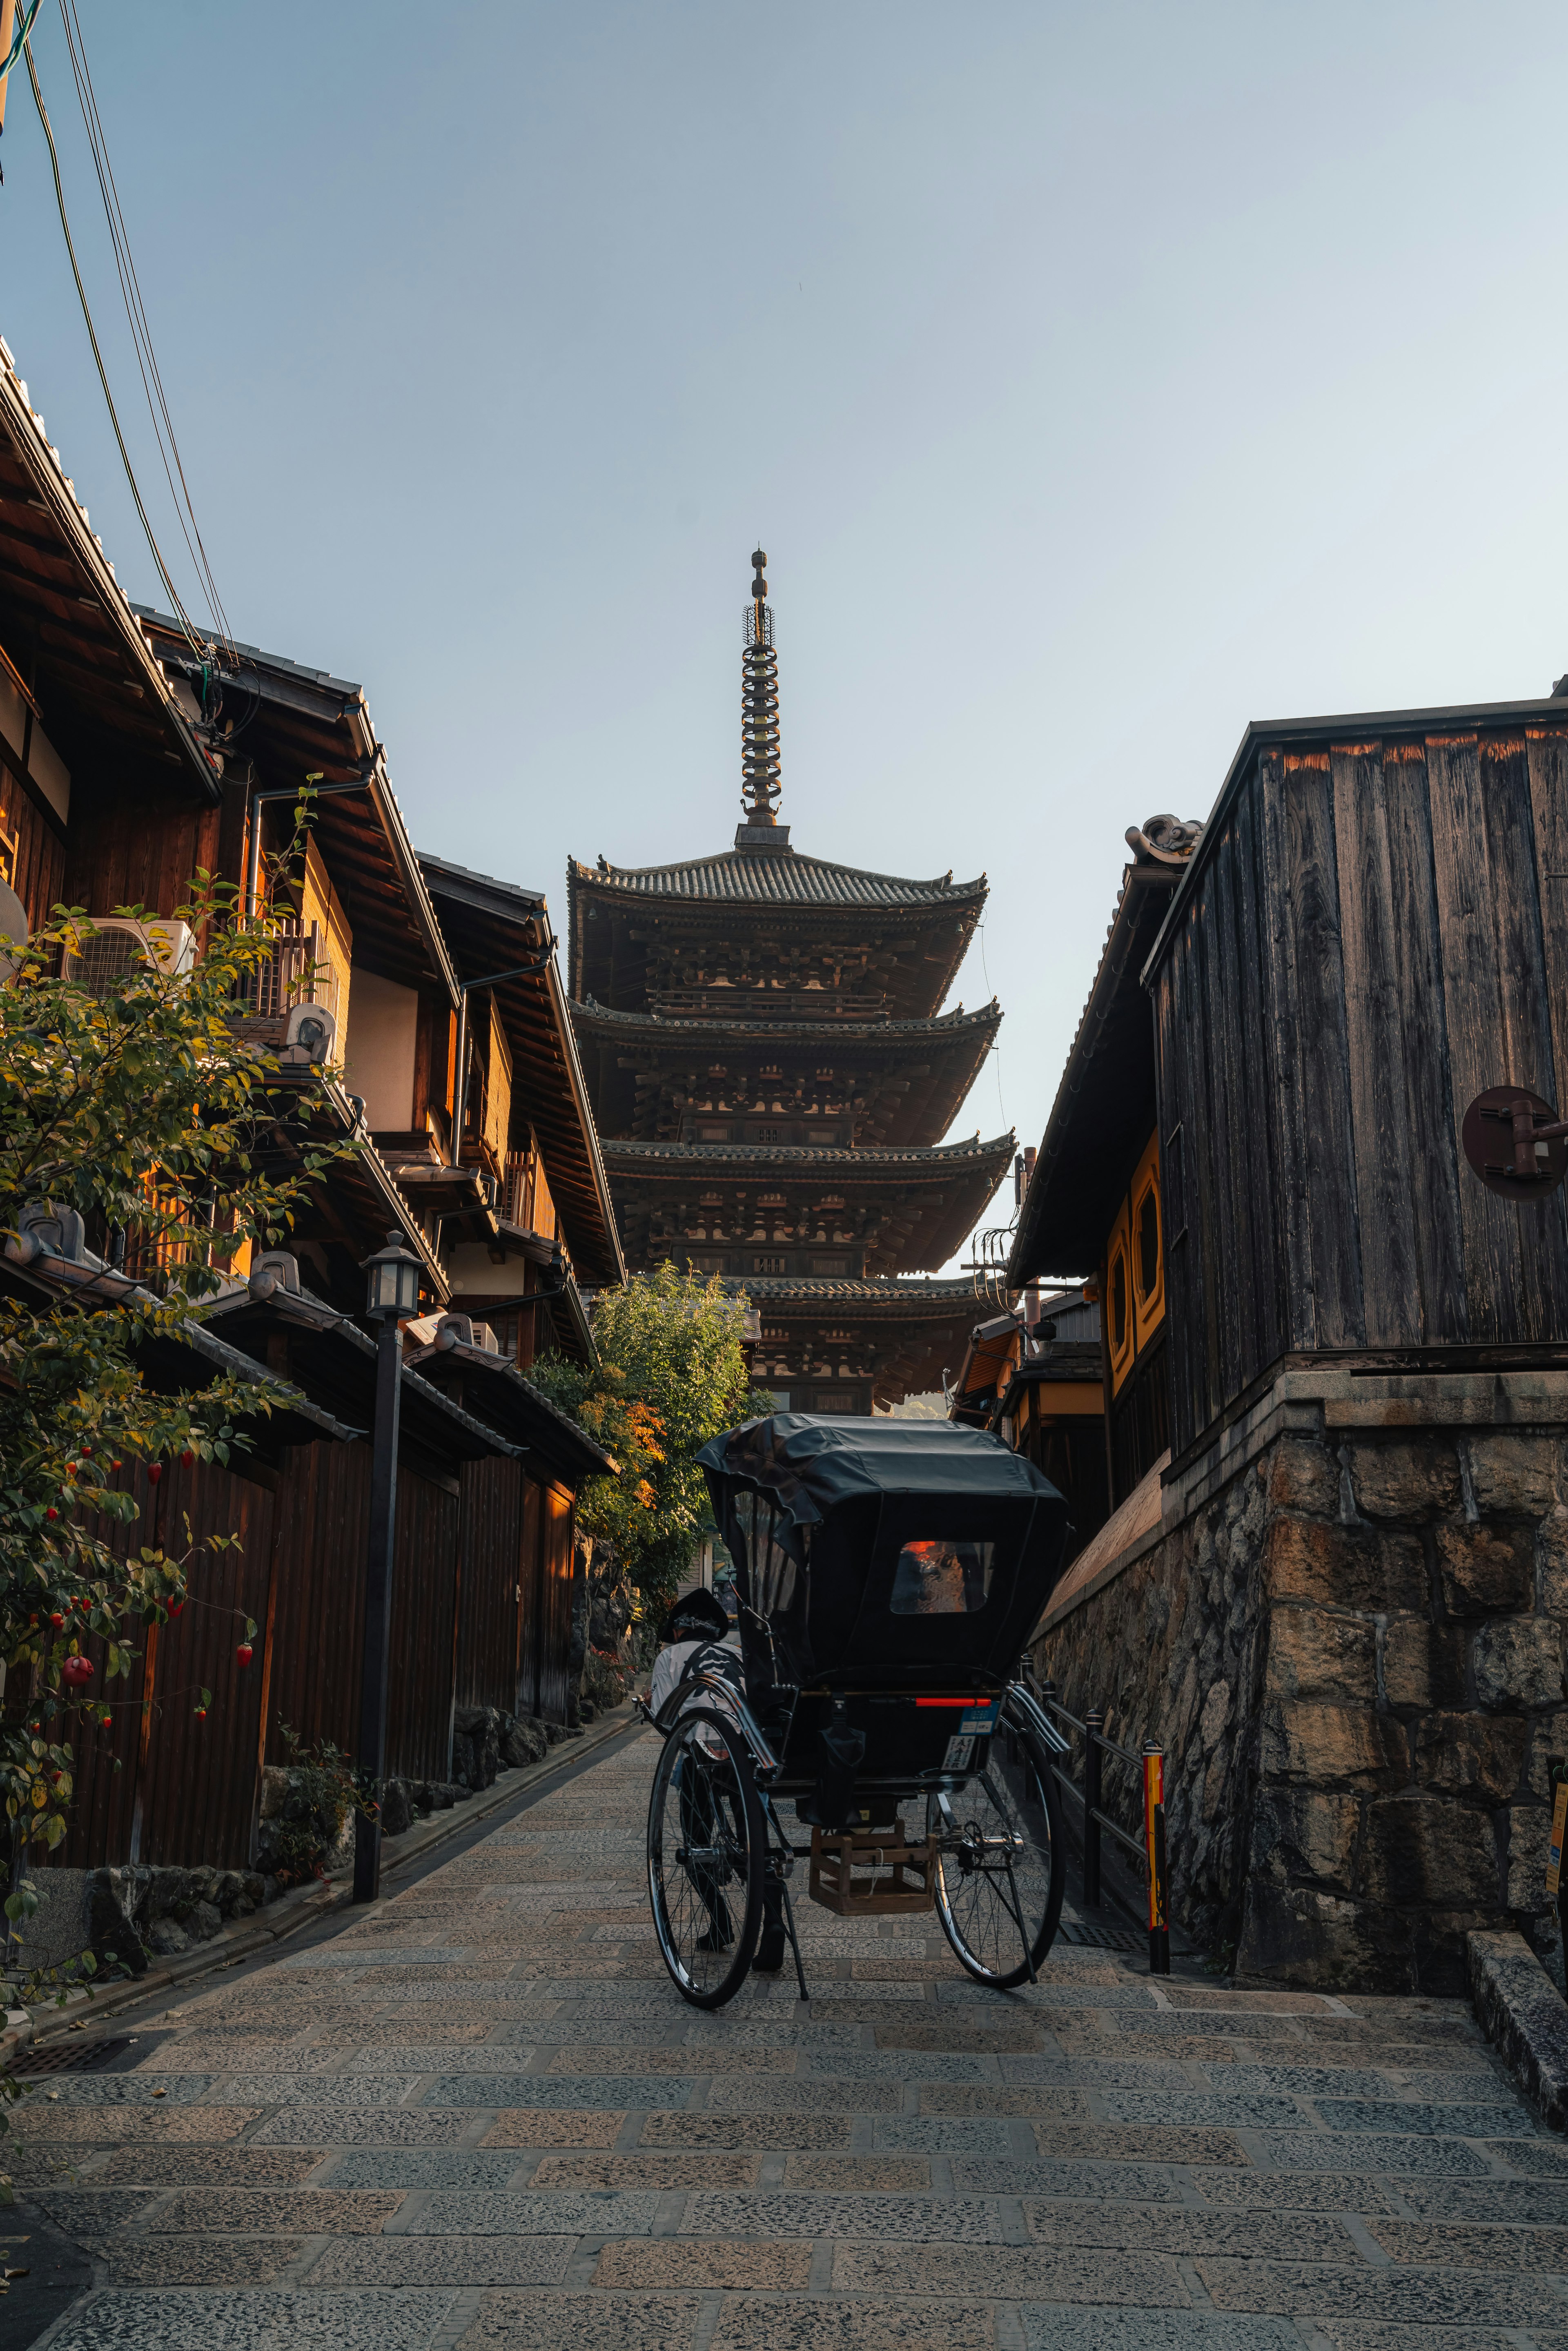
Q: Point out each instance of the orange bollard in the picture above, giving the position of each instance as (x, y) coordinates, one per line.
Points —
(1155, 1843)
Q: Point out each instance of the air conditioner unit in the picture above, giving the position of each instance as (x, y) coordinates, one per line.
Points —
(308, 1039)
(115, 951)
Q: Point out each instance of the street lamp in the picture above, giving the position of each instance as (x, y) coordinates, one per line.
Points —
(392, 1296)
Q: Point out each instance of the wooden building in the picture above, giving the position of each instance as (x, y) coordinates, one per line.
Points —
(128, 759)
(1038, 1380)
(773, 1074)
(1337, 1345)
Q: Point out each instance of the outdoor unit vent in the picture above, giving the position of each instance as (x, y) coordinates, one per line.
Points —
(115, 951)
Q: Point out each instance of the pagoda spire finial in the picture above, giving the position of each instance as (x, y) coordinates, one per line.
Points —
(760, 786)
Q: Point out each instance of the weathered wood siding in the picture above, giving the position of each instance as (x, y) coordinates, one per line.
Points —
(1379, 932)
(490, 1607)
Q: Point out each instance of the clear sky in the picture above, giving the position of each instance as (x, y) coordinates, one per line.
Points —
(1096, 378)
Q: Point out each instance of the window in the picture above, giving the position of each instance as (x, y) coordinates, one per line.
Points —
(769, 1265)
(942, 1579)
(834, 1400)
(1119, 1302)
(831, 1265)
(769, 1134)
(712, 1134)
(1147, 1247)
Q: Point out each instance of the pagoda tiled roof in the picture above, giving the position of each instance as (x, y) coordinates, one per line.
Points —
(752, 877)
(905, 1299)
(626, 1159)
(938, 1029)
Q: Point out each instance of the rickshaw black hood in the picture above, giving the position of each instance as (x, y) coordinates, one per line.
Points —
(812, 1463)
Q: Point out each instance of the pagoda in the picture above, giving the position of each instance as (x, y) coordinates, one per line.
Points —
(772, 1072)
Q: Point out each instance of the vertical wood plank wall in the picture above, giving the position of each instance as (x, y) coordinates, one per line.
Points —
(1380, 932)
(187, 1790)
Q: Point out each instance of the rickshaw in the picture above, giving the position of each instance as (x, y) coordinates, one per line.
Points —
(888, 1573)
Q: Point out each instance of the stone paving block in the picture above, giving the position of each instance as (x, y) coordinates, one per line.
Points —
(1302, 2081)
(1128, 2183)
(1405, 2296)
(1257, 2111)
(489, 1988)
(1162, 2024)
(1299, 2191)
(551, 2090)
(444, 2261)
(558, 2127)
(1010, 2273)
(1136, 2143)
(1153, 2330)
(756, 2033)
(895, 2066)
(812, 2133)
(942, 2133)
(1350, 2151)
(317, 2090)
(1536, 2201)
(1457, 2120)
(1451, 2243)
(413, 2057)
(978, 2098)
(965, 1993)
(197, 2261)
(1541, 2158)
(123, 2090)
(670, 2262)
(726, 2096)
(133, 2126)
(758, 2324)
(1470, 2084)
(582, 2322)
(591, 2059)
(1299, 2236)
(256, 2211)
(419, 2167)
(209, 2056)
(597, 2213)
(1106, 2073)
(995, 2038)
(384, 2126)
(912, 2219)
(80, 2212)
(666, 2173)
(1371, 2335)
(331, 1956)
(193, 2320)
(905, 2174)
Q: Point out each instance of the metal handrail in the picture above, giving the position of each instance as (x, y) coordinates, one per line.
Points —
(1151, 1849)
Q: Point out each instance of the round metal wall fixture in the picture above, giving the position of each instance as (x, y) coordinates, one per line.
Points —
(1504, 1149)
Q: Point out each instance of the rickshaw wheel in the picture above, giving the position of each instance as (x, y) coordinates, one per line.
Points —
(1005, 1864)
(706, 1857)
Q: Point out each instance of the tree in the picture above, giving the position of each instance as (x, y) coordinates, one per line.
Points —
(145, 1109)
(672, 1373)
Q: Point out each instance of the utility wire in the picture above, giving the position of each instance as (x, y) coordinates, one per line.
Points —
(141, 332)
(195, 642)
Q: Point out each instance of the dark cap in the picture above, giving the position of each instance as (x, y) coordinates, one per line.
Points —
(696, 1616)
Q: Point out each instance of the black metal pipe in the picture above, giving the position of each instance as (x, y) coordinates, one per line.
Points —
(1092, 1792)
(372, 1745)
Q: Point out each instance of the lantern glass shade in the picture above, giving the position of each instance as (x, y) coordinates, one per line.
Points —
(392, 1280)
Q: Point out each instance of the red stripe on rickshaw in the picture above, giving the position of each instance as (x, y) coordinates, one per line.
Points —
(966, 1702)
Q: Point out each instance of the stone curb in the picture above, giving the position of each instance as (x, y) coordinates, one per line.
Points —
(303, 1904)
(1524, 2015)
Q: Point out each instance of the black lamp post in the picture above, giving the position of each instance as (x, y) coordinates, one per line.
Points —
(391, 1297)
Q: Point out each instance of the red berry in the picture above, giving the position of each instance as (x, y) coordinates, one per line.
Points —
(109, 1721)
(56, 1622)
(243, 1653)
(155, 1471)
(70, 1468)
(200, 1714)
(188, 1458)
(86, 1453)
(175, 1606)
(77, 1670)
(51, 1512)
(117, 1465)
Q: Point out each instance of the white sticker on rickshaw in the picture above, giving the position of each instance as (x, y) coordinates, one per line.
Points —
(960, 1755)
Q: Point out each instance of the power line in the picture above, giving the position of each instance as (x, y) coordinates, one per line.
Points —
(135, 311)
(196, 644)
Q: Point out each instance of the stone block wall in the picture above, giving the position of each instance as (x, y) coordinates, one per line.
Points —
(1353, 1656)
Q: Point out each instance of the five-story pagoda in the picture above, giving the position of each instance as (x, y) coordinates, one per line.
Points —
(771, 1073)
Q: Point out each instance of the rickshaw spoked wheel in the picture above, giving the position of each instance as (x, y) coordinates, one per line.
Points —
(706, 1849)
(1001, 1878)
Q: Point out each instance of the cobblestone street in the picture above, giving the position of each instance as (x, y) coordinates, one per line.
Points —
(481, 2116)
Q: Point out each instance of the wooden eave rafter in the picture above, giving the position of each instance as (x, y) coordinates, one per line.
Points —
(95, 678)
(496, 927)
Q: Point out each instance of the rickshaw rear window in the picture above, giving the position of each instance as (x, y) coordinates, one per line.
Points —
(942, 1578)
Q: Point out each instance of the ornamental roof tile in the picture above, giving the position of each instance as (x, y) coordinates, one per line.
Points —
(678, 1028)
(749, 877)
(845, 1160)
(913, 1299)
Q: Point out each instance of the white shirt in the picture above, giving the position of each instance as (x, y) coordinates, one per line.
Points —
(671, 1664)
